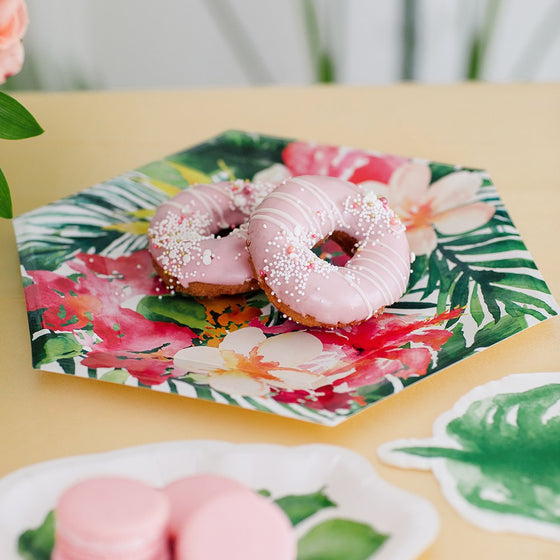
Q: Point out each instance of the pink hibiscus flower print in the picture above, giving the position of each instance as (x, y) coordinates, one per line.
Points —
(97, 305)
(389, 345)
(356, 166)
(447, 206)
(145, 348)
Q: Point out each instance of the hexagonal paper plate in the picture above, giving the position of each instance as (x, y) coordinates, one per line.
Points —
(97, 309)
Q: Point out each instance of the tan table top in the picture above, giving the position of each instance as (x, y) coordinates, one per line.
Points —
(512, 131)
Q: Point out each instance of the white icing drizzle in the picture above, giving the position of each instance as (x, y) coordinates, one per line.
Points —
(182, 235)
(354, 285)
(375, 279)
(296, 204)
(286, 225)
(327, 203)
(396, 273)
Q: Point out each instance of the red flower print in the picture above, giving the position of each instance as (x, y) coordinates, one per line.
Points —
(144, 348)
(305, 158)
(402, 346)
(94, 304)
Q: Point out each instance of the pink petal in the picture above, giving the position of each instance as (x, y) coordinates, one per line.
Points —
(233, 383)
(198, 359)
(290, 349)
(465, 218)
(455, 189)
(422, 240)
(408, 186)
(242, 341)
(11, 60)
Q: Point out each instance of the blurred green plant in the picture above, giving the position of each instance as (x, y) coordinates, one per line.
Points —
(408, 39)
(16, 123)
(321, 58)
(481, 39)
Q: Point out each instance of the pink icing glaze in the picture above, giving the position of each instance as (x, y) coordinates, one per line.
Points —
(237, 526)
(187, 494)
(111, 517)
(182, 234)
(304, 210)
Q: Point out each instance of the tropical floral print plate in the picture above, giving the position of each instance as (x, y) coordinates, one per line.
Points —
(496, 455)
(96, 308)
(338, 505)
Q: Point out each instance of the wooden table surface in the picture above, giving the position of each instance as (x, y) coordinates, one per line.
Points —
(512, 131)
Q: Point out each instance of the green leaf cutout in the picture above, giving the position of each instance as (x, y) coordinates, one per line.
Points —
(300, 507)
(37, 544)
(16, 122)
(508, 459)
(335, 539)
(180, 310)
(5, 198)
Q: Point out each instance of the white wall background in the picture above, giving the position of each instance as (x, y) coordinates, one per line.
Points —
(104, 44)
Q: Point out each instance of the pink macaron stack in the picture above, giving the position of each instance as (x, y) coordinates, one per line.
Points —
(213, 518)
(112, 517)
(200, 517)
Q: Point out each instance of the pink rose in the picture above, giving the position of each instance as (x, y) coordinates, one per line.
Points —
(13, 24)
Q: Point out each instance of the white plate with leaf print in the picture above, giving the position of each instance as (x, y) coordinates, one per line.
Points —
(344, 502)
(496, 455)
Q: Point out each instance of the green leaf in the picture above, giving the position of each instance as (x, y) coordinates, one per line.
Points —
(6, 210)
(180, 310)
(499, 330)
(115, 376)
(499, 246)
(51, 347)
(418, 268)
(162, 171)
(460, 292)
(476, 308)
(16, 121)
(300, 507)
(508, 443)
(340, 538)
(440, 170)
(37, 544)
(520, 280)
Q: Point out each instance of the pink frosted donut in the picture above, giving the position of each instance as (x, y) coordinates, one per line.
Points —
(298, 215)
(183, 239)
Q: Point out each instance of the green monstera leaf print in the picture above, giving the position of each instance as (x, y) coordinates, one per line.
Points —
(497, 454)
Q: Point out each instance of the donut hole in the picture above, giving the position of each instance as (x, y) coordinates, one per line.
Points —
(224, 232)
(336, 249)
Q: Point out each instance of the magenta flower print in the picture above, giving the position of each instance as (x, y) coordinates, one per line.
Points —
(130, 341)
(448, 205)
(400, 346)
(93, 305)
(356, 166)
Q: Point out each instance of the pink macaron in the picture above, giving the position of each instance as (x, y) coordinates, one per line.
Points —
(187, 494)
(111, 517)
(237, 525)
